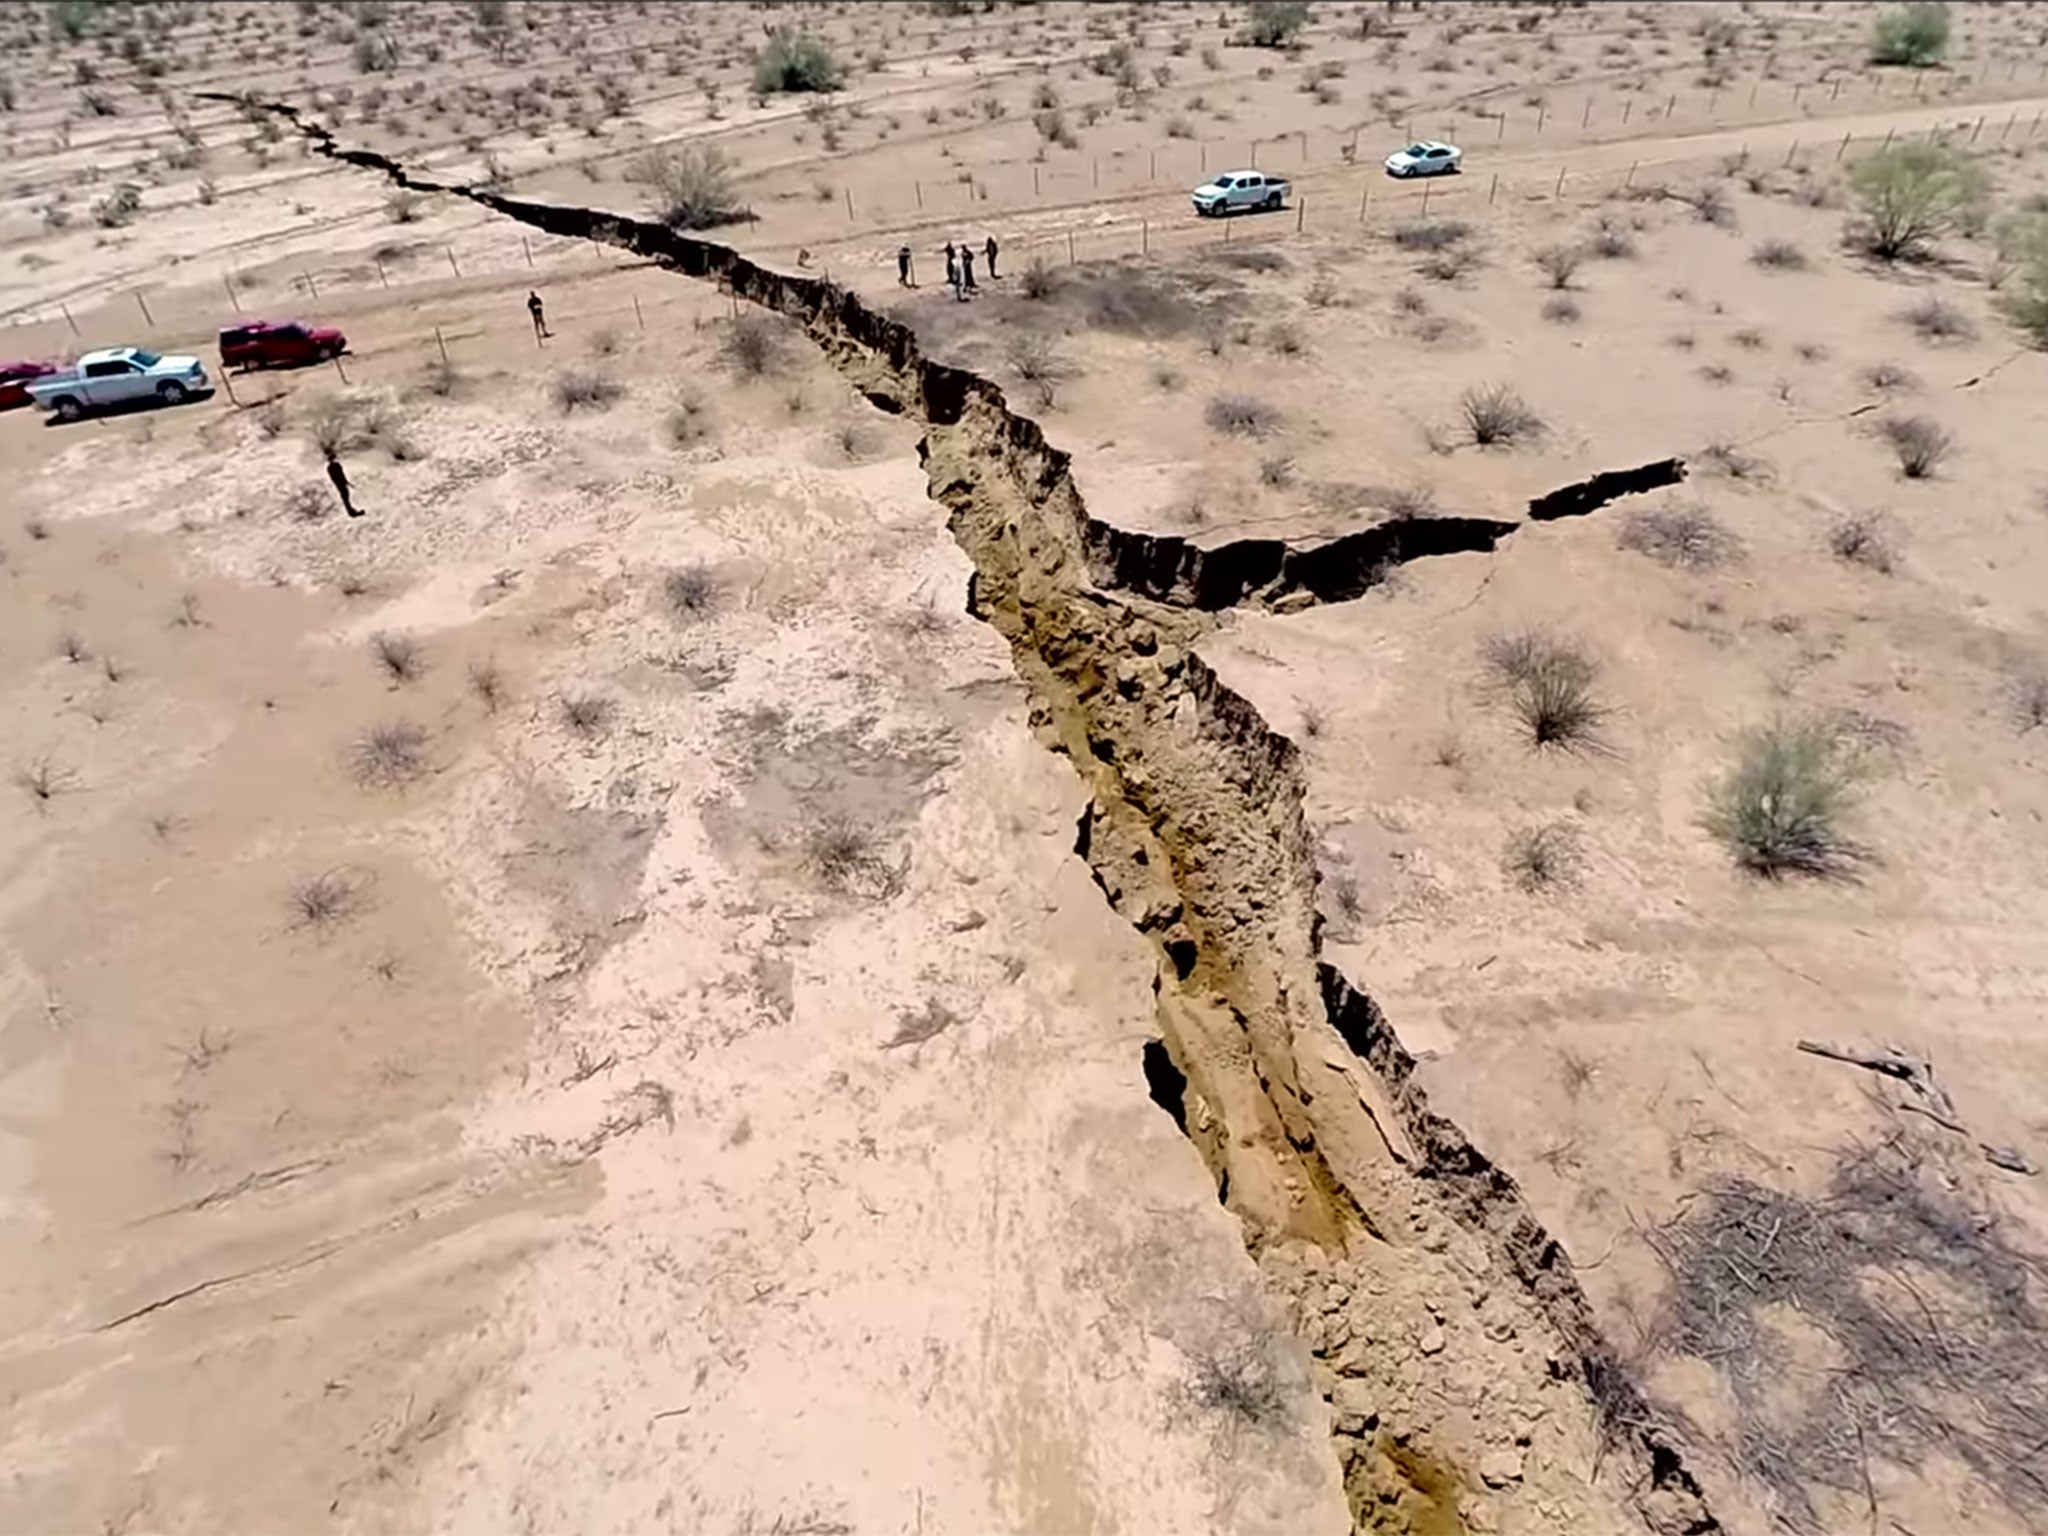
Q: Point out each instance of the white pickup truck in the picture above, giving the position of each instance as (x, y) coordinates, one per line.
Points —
(118, 376)
(1235, 190)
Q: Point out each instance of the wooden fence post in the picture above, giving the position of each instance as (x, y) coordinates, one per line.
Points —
(440, 342)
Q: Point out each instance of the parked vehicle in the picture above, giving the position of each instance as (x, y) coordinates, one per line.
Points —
(15, 378)
(1427, 158)
(279, 344)
(117, 376)
(1235, 190)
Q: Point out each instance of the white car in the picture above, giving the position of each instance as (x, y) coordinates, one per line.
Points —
(1428, 158)
(118, 376)
(1234, 190)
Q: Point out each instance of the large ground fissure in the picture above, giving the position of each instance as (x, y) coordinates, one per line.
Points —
(1445, 1314)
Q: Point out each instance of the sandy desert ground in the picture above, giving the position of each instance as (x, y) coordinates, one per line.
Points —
(845, 911)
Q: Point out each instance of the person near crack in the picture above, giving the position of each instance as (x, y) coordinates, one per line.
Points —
(903, 267)
(990, 251)
(339, 477)
(966, 270)
(538, 311)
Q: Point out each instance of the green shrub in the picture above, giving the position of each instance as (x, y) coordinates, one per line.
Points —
(688, 188)
(1913, 194)
(2024, 294)
(1273, 23)
(1916, 35)
(794, 62)
(1779, 809)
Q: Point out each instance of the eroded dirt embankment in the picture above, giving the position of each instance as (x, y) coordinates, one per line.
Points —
(1465, 1365)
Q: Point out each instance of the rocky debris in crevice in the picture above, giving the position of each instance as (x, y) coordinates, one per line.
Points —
(1293, 1087)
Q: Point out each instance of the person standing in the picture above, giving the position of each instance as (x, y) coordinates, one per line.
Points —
(952, 269)
(339, 477)
(903, 266)
(540, 317)
(990, 251)
(966, 269)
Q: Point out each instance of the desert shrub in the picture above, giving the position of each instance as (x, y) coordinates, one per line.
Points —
(1035, 359)
(1559, 263)
(440, 378)
(585, 714)
(402, 207)
(1051, 124)
(794, 62)
(1451, 263)
(1888, 378)
(1561, 308)
(1612, 239)
(1777, 255)
(1710, 205)
(1861, 539)
(1274, 23)
(2024, 298)
(1436, 235)
(398, 656)
(692, 590)
(1241, 415)
(843, 855)
(488, 684)
(1910, 195)
(752, 346)
(1038, 281)
(1915, 35)
(388, 754)
(688, 188)
(1276, 471)
(1498, 417)
(1549, 686)
(1920, 442)
(1779, 809)
(1938, 320)
(1735, 462)
(2027, 698)
(576, 388)
(306, 503)
(118, 207)
(1545, 857)
(322, 900)
(1685, 535)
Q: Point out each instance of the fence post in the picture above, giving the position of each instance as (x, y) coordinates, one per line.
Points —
(1145, 236)
(229, 284)
(382, 276)
(636, 312)
(1034, 181)
(1791, 152)
(920, 192)
(1844, 149)
(1558, 191)
(1626, 108)
(1427, 188)
(1255, 154)
(1977, 130)
(1832, 94)
(147, 317)
(440, 342)
(1586, 116)
(1300, 213)
(1753, 89)
(1152, 165)
(336, 359)
(1491, 188)
(849, 205)
(1304, 146)
(526, 245)
(1500, 126)
(1671, 104)
(2008, 127)
(311, 286)
(1070, 247)
(1630, 179)
(1364, 197)
(1795, 95)
(1204, 147)
(449, 250)
(1539, 118)
(67, 316)
(1888, 137)
(1095, 173)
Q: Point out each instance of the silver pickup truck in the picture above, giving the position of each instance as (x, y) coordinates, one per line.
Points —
(1239, 190)
(117, 376)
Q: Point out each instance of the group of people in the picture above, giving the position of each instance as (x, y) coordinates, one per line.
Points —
(959, 266)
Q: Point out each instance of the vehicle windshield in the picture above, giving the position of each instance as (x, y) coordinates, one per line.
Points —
(1416, 151)
(145, 359)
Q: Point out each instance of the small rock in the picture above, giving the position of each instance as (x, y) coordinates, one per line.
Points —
(1500, 1466)
(1432, 1340)
(1353, 1405)
(1144, 639)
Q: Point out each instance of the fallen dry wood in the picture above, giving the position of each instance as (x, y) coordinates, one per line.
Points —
(1891, 1062)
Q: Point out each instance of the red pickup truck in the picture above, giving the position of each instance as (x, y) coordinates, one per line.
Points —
(279, 344)
(15, 379)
